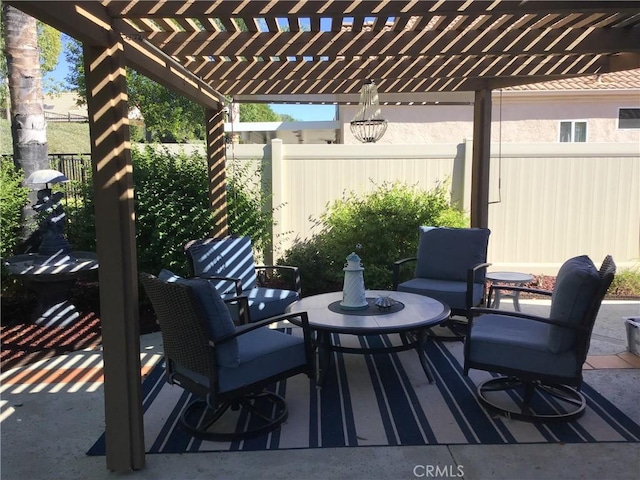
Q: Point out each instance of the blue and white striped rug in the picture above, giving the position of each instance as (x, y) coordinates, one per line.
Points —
(376, 400)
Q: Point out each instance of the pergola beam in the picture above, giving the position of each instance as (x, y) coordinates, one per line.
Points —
(245, 73)
(210, 51)
(327, 8)
(410, 43)
(116, 248)
(92, 25)
(481, 162)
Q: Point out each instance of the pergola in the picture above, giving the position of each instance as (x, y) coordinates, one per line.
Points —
(318, 51)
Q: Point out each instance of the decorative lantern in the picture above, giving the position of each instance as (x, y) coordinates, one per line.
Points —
(353, 294)
(367, 125)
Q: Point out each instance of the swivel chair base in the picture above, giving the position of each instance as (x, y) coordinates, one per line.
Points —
(531, 401)
(267, 412)
(458, 330)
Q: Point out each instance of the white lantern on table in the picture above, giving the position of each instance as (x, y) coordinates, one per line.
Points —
(353, 292)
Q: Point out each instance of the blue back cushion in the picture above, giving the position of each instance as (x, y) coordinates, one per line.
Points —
(576, 285)
(448, 253)
(216, 313)
(227, 257)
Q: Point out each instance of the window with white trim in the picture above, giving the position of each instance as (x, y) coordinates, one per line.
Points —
(628, 118)
(573, 131)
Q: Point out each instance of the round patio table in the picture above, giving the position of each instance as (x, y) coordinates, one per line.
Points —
(410, 317)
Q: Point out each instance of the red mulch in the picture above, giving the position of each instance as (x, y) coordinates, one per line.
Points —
(24, 343)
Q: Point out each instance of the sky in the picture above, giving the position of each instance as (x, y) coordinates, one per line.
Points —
(307, 112)
(299, 112)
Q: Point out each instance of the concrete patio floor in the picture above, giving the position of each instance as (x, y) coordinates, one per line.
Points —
(54, 412)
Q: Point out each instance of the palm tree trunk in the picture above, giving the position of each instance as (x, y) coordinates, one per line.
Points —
(28, 127)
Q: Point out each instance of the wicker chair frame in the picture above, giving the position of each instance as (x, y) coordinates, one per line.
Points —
(188, 347)
(561, 391)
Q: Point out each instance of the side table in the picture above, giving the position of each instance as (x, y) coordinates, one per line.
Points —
(508, 278)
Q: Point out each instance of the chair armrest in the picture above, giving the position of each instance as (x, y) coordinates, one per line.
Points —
(237, 282)
(297, 284)
(475, 311)
(516, 288)
(471, 276)
(243, 308)
(242, 329)
(396, 270)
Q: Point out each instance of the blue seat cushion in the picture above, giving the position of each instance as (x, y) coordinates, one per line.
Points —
(268, 302)
(263, 353)
(518, 344)
(449, 253)
(217, 315)
(227, 257)
(452, 293)
(576, 285)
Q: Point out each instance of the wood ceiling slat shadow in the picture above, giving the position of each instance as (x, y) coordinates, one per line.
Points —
(329, 47)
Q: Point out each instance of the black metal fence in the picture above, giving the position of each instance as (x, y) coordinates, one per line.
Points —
(75, 166)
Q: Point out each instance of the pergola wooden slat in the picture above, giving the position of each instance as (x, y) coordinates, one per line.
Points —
(315, 51)
(322, 35)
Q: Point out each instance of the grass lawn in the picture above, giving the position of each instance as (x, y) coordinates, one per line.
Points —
(63, 137)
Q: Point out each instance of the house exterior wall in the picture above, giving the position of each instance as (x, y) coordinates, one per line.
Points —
(516, 117)
(64, 103)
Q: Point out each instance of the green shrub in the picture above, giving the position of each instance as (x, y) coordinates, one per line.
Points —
(318, 265)
(380, 227)
(78, 206)
(172, 207)
(246, 212)
(13, 198)
(626, 283)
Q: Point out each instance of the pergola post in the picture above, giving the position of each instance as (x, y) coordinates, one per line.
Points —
(216, 170)
(481, 159)
(116, 248)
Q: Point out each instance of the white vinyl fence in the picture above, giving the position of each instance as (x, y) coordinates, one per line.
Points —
(549, 202)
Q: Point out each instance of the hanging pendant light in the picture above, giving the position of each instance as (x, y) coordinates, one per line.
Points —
(367, 126)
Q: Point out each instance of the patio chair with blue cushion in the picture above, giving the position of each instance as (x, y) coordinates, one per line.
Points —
(223, 366)
(229, 264)
(450, 266)
(540, 359)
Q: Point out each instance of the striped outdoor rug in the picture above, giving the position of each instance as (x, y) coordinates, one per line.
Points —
(375, 400)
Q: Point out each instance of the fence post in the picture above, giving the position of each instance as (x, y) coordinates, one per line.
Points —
(216, 171)
(466, 186)
(276, 191)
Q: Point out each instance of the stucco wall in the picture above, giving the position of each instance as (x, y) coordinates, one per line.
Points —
(516, 117)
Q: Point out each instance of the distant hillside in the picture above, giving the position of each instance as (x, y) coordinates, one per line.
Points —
(63, 137)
